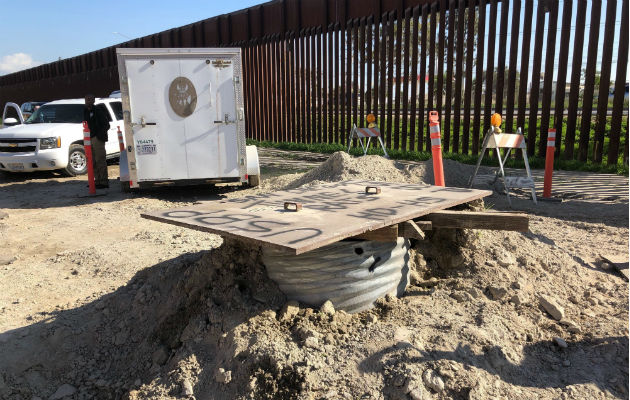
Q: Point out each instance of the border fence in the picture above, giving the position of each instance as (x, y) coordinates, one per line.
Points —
(313, 68)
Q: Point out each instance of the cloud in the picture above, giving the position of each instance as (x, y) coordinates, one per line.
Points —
(16, 62)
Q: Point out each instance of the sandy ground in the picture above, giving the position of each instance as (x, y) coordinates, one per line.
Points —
(96, 302)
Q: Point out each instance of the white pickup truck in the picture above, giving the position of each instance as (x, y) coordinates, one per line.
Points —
(52, 138)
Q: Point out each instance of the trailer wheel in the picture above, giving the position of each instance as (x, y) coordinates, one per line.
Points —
(254, 180)
(125, 187)
(77, 161)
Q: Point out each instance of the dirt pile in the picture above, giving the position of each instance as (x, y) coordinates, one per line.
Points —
(341, 166)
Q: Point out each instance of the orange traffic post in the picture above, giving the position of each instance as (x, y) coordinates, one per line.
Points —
(436, 148)
(551, 147)
(121, 142)
(87, 144)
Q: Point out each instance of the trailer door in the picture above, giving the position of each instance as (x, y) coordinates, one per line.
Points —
(183, 112)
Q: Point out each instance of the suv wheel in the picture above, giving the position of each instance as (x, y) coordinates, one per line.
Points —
(77, 161)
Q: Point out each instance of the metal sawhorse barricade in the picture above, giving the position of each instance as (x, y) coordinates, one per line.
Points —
(507, 141)
(362, 133)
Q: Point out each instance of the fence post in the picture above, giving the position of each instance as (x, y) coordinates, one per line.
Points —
(87, 145)
(436, 148)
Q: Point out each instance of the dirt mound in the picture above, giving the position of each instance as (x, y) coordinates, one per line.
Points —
(341, 167)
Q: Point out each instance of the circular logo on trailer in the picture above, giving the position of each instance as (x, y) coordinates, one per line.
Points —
(182, 96)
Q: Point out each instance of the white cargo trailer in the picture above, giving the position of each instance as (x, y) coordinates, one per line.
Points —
(184, 117)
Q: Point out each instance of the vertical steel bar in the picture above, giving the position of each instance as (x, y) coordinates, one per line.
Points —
(511, 86)
(561, 82)
(361, 66)
(549, 67)
(534, 94)
(589, 83)
(492, 31)
(308, 85)
(342, 84)
(432, 56)
(470, 43)
(355, 71)
(383, 69)
(620, 88)
(576, 72)
(338, 62)
(390, 75)
(318, 109)
(503, 33)
(604, 81)
(406, 79)
(423, 75)
(481, 28)
(369, 44)
(525, 46)
(414, 79)
(439, 59)
(351, 51)
(459, 52)
(329, 94)
(397, 65)
(446, 132)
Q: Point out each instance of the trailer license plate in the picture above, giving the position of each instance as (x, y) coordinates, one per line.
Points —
(16, 166)
(146, 149)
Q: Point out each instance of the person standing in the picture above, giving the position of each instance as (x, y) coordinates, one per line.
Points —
(99, 125)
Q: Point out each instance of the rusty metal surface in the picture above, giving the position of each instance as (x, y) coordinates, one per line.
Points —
(330, 212)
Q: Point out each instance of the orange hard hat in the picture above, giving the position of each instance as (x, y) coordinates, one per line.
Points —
(370, 118)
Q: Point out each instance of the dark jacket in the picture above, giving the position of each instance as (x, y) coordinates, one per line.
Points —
(97, 122)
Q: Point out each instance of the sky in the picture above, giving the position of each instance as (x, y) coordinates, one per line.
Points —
(43, 31)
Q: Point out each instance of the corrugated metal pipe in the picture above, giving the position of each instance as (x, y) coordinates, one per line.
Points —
(351, 273)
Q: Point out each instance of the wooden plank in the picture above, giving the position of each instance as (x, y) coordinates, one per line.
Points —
(604, 81)
(622, 65)
(589, 83)
(446, 130)
(620, 263)
(409, 229)
(331, 212)
(549, 78)
(576, 70)
(470, 42)
(481, 27)
(386, 234)
(458, 74)
(414, 79)
(563, 61)
(498, 221)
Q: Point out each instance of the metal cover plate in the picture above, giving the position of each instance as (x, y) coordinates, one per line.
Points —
(331, 212)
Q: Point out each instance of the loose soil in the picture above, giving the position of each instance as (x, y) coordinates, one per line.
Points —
(96, 302)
